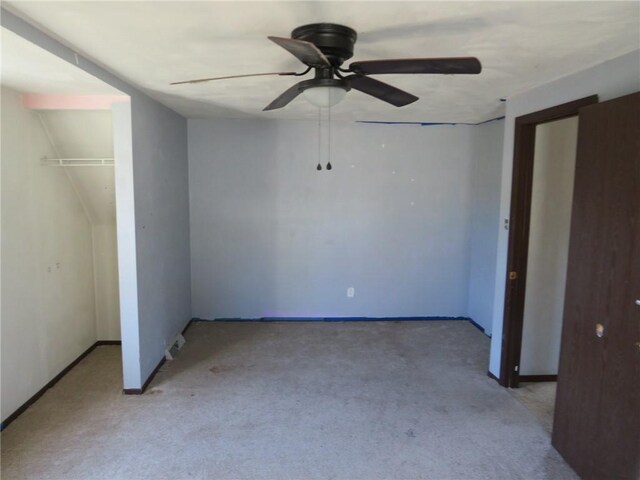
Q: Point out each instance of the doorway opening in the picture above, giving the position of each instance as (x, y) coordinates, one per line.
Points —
(538, 242)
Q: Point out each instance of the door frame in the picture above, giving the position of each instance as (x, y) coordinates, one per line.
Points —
(519, 221)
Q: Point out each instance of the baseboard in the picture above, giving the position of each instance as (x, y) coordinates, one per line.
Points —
(537, 378)
(22, 408)
(340, 319)
(189, 323)
(334, 319)
(132, 391)
(140, 391)
(477, 325)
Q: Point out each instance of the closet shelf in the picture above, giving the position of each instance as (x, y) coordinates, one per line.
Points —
(77, 162)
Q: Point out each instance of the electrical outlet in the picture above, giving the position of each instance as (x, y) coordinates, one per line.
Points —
(351, 292)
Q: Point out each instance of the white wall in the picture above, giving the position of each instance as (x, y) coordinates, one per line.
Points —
(48, 305)
(271, 236)
(105, 262)
(89, 134)
(126, 234)
(610, 79)
(485, 211)
(551, 200)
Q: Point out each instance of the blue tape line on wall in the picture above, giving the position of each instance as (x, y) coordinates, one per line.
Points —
(429, 124)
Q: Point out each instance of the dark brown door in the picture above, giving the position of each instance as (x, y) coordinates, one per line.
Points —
(597, 416)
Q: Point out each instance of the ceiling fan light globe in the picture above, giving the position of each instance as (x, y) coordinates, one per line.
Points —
(324, 97)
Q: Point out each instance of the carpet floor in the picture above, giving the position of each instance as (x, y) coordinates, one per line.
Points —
(540, 399)
(312, 400)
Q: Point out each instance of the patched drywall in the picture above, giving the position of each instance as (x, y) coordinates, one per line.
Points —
(48, 303)
(271, 236)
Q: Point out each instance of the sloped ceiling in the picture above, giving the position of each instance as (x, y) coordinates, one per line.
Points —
(80, 133)
(86, 134)
(521, 44)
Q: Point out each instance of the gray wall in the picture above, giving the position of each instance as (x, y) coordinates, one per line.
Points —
(160, 173)
(160, 189)
(485, 215)
(271, 236)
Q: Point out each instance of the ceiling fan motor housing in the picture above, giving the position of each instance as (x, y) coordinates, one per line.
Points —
(335, 41)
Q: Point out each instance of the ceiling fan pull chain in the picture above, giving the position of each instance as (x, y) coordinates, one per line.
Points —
(329, 167)
(319, 167)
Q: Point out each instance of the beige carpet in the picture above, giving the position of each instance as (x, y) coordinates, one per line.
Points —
(540, 399)
(392, 400)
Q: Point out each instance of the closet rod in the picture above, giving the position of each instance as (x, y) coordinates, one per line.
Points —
(77, 162)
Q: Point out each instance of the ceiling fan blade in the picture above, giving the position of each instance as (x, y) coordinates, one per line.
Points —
(304, 51)
(460, 65)
(381, 90)
(201, 80)
(284, 99)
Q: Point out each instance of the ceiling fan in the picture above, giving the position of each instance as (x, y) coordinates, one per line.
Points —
(324, 47)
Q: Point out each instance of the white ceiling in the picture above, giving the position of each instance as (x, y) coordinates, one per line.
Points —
(29, 69)
(521, 44)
